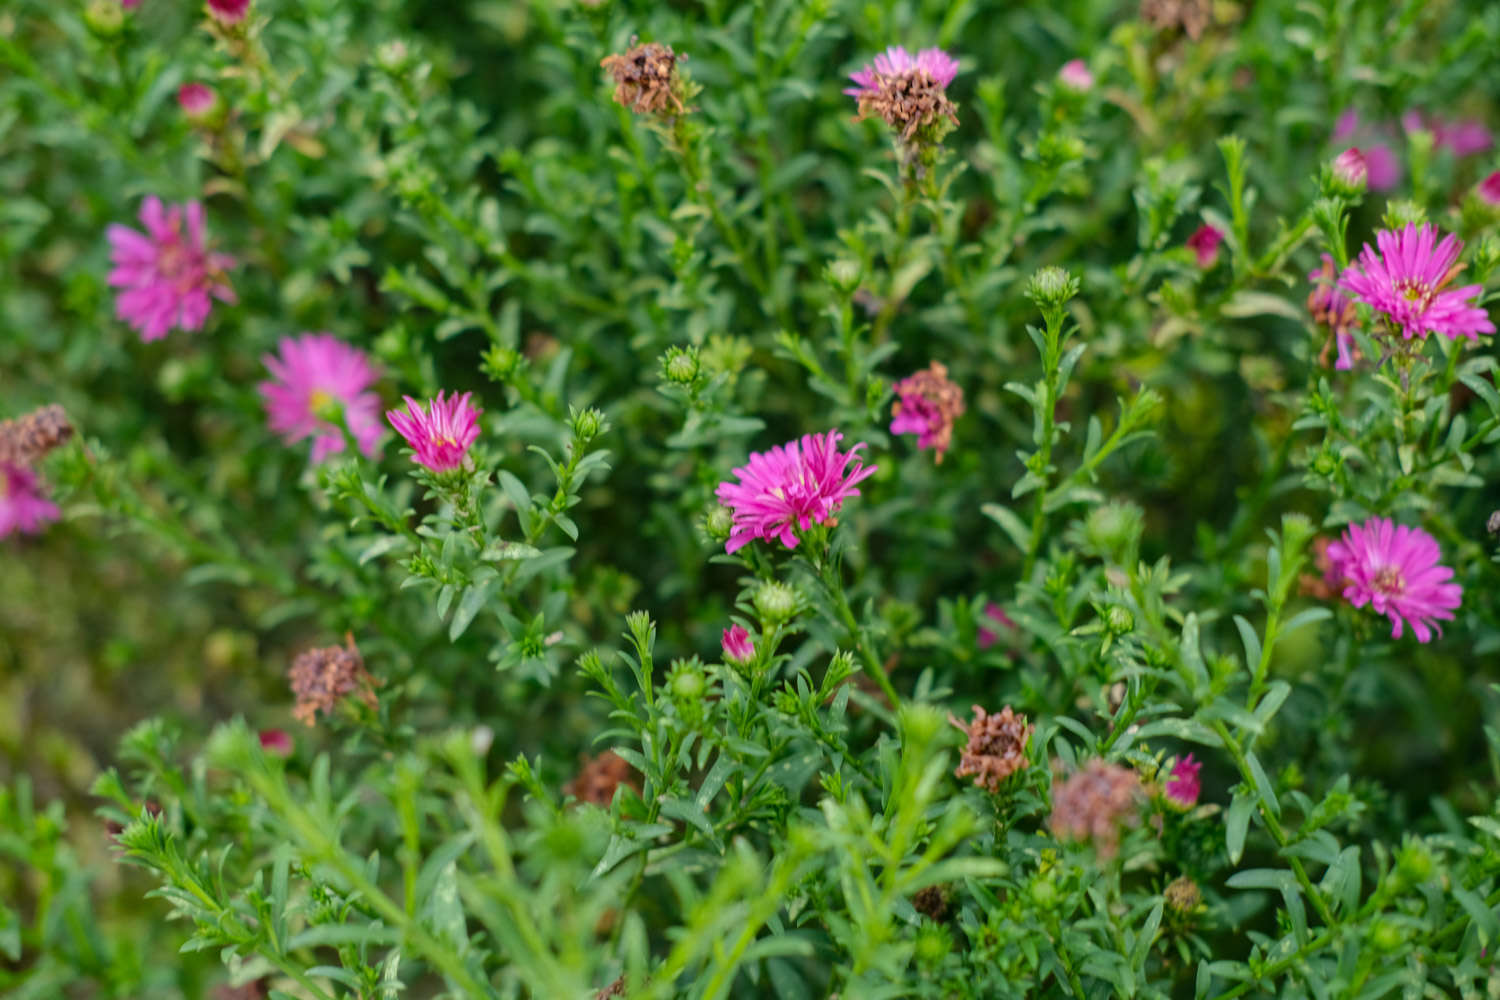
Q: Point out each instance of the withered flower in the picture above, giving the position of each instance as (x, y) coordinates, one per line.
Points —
(646, 79)
(27, 438)
(927, 404)
(932, 902)
(1093, 803)
(321, 677)
(598, 778)
(996, 747)
(1192, 17)
(1183, 895)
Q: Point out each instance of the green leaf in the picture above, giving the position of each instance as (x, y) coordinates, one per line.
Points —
(1236, 825)
(468, 606)
(1010, 523)
(1262, 785)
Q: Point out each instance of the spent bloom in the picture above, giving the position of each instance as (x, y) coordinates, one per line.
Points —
(927, 404)
(1092, 803)
(1394, 569)
(315, 377)
(598, 777)
(791, 487)
(27, 438)
(23, 508)
(1330, 308)
(738, 647)
(320, 678)
(1205, 244)
(1075, 75)
(440, 434)
(1182, 783)
(168, 276)
(1407, 281)
(996, 747)
(908, 92)
(228, 12)
(646, 79)
(1489, 190)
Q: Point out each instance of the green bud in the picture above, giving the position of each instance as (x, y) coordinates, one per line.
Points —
(775, 602)
(680, 366)
(1399, 214)
(1326, 464)
(105, 18)
(393, 57)
(687, 684)
(1414, 862)
(1387, 935)
(502, 363)
(1044, 891)
(587, 424)
(844, 274)
(1119, 621)
(718, 522)
(1112, 527)
(1051, 286)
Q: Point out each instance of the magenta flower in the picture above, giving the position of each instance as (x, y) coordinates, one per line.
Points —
(1351, 170)
(738, 647)
(1407, 282)
(1382, 165)
(1330, 308)
(276, 742)
(927, 404)
(995, 613)
(1075, 75)
(228, 11)
(1182, 784)
(1489, 190)
(23, 508)
(1395, 570)
(790, 488)
(896, 61)
(314, 378)
(441, 434)
(168, 275)
(1467, 137)
(196, 99)
(1205, 245)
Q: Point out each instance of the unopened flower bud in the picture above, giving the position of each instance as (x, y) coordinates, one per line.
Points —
(680, 366)
(276, 742)
(1075, 76)
(228, 12)
(844, 274)
(1489, 190)
(739, 649)
(587, 424)
(1051, 286)
(105, 18)
(394, 57)
(1119, 621)
(776, 602)
(1350, 172)
(1400, 214)
(197, 101)
(1414, 863)
(718, 523)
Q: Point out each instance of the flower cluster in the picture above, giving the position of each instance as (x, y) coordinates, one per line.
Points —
(321, 678)
(1093, 803)
(646, 79)
(927, 404)
(598, 778)
(24, 507)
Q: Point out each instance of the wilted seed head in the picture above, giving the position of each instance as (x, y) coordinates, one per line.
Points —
(1189, 16)
(646, 79)
(1051, 286)
(598, 777)
(1183, 895)
(321, 677)
(909, 102)
(927, 404)
(996, 747)
(932, 902)
(27, 438)
(1091, 805)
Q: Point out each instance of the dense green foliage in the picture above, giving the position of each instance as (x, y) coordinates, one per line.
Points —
(1151, 456)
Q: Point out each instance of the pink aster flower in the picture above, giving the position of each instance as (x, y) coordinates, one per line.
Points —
(168, 275)
(1075, 75)
(1182, 784)
(1205, 245)
(1383, 166)
(927, 404)
(1395, 570)
(441, 434)
(1331, 309)
(314, 377)
(196, 99)
(738, 647)
(23, 508)
(908, 92)
(1467, 137)
(790, 488)
(1407, 281)
(896, 61)
(997, 616)
(228, 12)
(1489, 190)
(276, 742)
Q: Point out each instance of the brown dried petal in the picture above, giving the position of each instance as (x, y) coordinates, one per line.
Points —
(27, 438)
(646, 79)
(320, 678)
(1093, 803)
(598, 778)
(996, 748)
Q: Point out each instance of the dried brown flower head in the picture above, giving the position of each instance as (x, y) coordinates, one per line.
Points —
(1190, 16)
(1329, 583)
(255, 989)
(908, 102)
(321, 677)
(1091, 805)
(927, 404)
(932, 902)
(27, 438)
(996, 747)
(614, 989)
(598, 778)
(1183, 895)
(646, 79)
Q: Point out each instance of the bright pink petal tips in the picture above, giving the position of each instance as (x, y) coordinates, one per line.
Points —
(1395, 570)
(738, 647)
(1407, 281)
(790, 488)
(228, 12)
(1489, 190)
(440, 434)
(316, 379)
(196, 99)
(1075, 75)
(167, 276)
(1182, 787)
(1205, 245)
(23, 508)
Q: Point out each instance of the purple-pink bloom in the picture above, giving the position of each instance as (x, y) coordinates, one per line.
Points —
(314, 377)
(1351, 169)
(1395, 570)
(276, 742)
(896, 61)
(1182, 784)
(927, 404)
(1330, 308)
(995, 613)
(1205, 244)
(196, 99)
(1383, 167)
(1489, 190)
(1407, 281)
(228, 11)
(23, 508)
(1467, 137)
(441, 434)
(791, 487)
(168, 275)
(1075, 75)
(738, 647)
